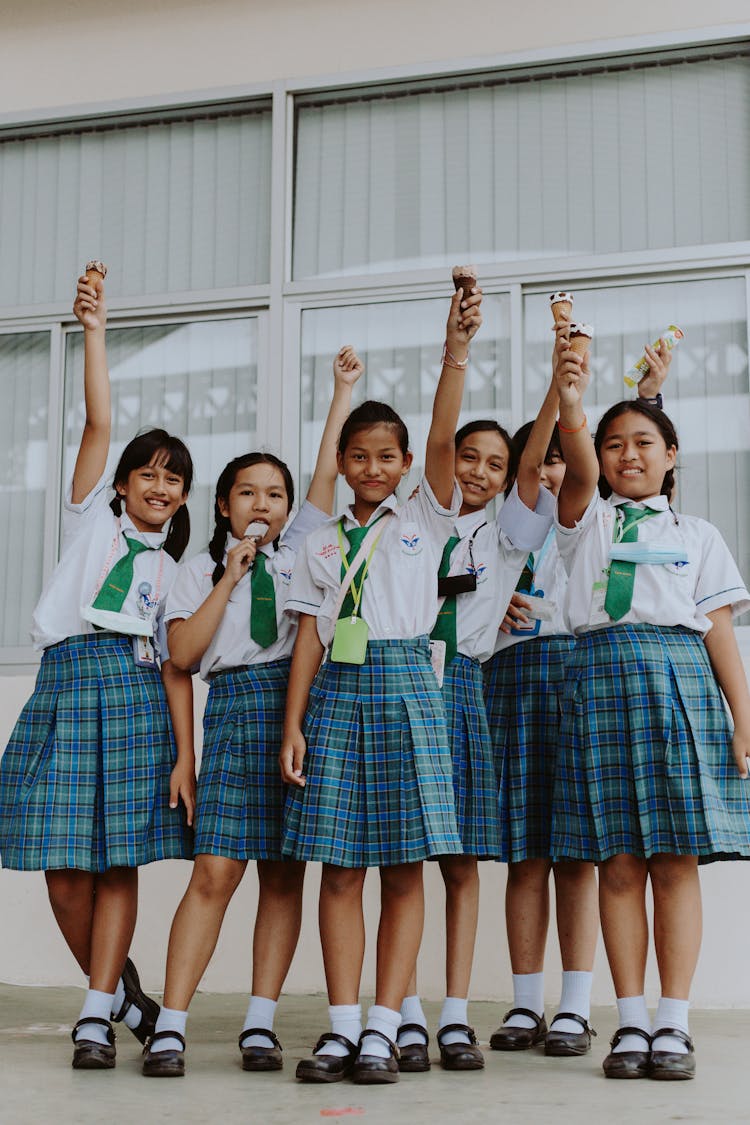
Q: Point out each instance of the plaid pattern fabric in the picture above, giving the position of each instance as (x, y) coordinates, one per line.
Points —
(645, 763)
(522, 688)
(240, 797)
(474, 783)
(378, 766)
(84, 780)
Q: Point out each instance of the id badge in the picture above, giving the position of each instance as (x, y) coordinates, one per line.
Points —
(350, 641)
(598, 614)
(437, 660)
(143, 652)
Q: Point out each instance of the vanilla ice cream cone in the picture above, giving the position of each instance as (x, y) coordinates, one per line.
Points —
(561, 305)
(580, 338)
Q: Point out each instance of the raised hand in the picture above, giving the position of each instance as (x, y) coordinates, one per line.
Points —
(347, 366)
(90, 306)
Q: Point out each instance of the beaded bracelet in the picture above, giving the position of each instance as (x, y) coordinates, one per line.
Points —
(577, 430)
(458, 364)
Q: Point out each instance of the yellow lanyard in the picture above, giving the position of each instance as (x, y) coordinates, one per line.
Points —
(356, 590)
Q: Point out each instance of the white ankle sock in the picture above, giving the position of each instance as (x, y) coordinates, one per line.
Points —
(528, 992)
(133, 1016)
(260, 1013)
(632, 1012)
(346, 1019)
(384, 1020)
(575, 997)
(412, 1012)
(170, 1019)
(455, 1009)
(671, 1013)
(97, 1005)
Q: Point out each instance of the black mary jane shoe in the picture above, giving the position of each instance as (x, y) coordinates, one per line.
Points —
(460, 1056)
(136, 997)
(628, 1064)
(372, 1070)
(328, 1068)
(261, 1058)
(88, 1054)
(519, 1038)
(565, 1044)
(671, 1066)
(164, 1064)
(414, 1057)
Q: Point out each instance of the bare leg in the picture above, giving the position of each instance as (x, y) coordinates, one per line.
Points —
(622, 903)
(342, 931)
(115, 912)
(277, 924)
(577, 914)
(677, 921)
(197, 924)
(400, 931)
(71, 896)
(527, 913)
(461, 879)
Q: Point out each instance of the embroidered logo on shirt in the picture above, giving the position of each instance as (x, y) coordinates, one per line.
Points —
(411, 544)
(328, 550)
(479, 569)
(285, 576)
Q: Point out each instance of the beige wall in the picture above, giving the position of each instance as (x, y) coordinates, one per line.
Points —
(63, 52)
(66, 52)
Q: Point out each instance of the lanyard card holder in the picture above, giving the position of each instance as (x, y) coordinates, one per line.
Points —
(143, 652)
(350, 641)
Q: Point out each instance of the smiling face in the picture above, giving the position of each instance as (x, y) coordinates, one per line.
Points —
(152, 494)
(481, 468)
(373, 466)
(257, 494)
(634, 456)
(553, 472)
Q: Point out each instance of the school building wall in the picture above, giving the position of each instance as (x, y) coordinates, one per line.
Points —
(57, 55)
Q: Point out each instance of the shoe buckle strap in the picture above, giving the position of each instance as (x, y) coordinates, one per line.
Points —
(395, 1051)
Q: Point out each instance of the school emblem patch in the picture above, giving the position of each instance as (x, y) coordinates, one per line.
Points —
(480, 570)
(286, 576)
(411, 542)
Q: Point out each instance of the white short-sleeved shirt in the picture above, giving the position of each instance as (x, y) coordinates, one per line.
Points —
(399, 598)
(668, 594)
(93, 541)
(500, 550)
(551, 583)
(232, 646)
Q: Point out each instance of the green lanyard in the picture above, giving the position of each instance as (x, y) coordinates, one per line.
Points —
(356, 590)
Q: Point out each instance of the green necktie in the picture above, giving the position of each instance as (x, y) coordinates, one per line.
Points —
(619, 596)
(445, 626)
(263, 604)
(526, 581)
(115, 587)
(355, 537)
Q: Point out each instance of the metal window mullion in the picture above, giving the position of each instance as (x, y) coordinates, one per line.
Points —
(56, 399)
(517, 374)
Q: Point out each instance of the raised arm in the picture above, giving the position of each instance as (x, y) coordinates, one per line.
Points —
(659, 359)
(581, 466)
(531, 465)
(464, 320)
(347, 368)
(91, 310)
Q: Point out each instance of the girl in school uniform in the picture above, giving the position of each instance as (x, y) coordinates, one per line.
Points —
(651, 778)
(226, 615)
(481, 563)
(524, 678)
(90, 780)
(365, 747)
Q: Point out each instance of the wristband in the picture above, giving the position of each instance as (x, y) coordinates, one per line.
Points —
(449, 360)
(657, 401)
(577, 430)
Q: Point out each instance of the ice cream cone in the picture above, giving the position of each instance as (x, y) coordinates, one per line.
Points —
(464, 277)
(561, 305)
(580, 338)
(95, 271)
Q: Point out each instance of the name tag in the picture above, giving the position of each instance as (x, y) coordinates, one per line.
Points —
(437, 659)
(597, 613)
(350, 641)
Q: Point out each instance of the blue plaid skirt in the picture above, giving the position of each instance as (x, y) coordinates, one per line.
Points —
(378, 766)
(474, 783)
(645, 763)
(240, 798)
(84, 780)
(522, 690)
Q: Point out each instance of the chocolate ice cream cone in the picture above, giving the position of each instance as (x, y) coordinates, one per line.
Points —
(95, 271)
(464, 277)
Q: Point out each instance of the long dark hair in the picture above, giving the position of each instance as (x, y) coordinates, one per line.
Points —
(175, 457)
(370, 414)
(489, 425)
(224, 484)
(521, 437)
(663, 424)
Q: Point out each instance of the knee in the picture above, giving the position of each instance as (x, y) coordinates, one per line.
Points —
(215, 879)
(460, 874)
(117, 879)
(623, 875)
(66, 888)
(669, 871)
(574, 875)
(282, 878)
(530, 875)
(342, 882)
(401, 880)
